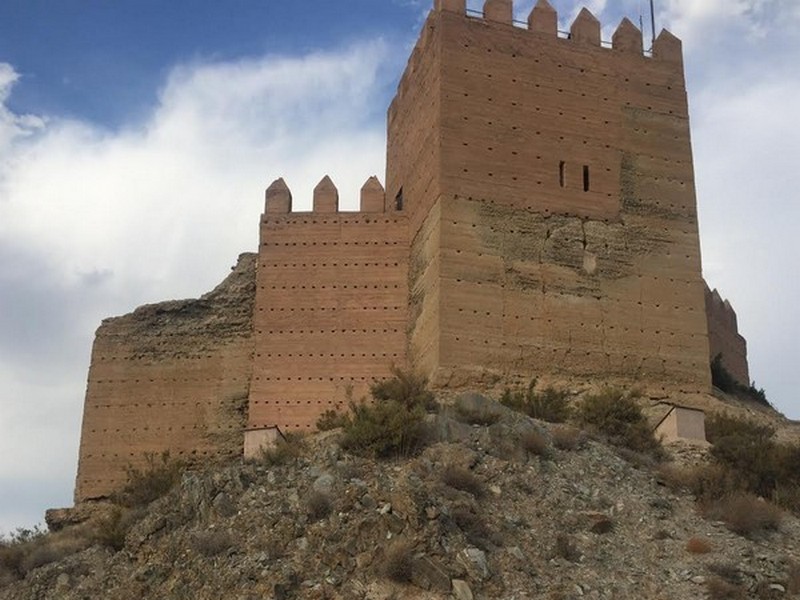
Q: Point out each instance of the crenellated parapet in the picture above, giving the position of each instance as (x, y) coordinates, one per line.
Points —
(278, 198)
(584, 30)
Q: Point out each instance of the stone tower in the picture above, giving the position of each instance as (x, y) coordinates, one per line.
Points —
(549, 187)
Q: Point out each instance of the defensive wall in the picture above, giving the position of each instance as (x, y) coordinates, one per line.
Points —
(170, 377)
(723, 337)
(331, 303)
(539, 218)
(550, 192)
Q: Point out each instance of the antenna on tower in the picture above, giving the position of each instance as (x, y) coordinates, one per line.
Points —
(641, 17)
(653, 22)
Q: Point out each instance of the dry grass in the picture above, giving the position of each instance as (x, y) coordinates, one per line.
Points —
(745, 514)
(318, 505)
(550, 404)
(535, 442)
(480, 417)
(727, 571)
(699, 545)
(719, 589)
(285, 451)
(464, 480)
(567, 438)
(793, 579)
(212, 542)
(472, 526)
(29, 549)
(397, 565)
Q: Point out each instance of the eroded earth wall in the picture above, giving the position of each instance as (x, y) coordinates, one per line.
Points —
(331, 307)
(168, 377)
(564, 227)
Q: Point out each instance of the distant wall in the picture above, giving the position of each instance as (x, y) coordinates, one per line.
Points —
(331, 305)
(168, 377)
(724, 338)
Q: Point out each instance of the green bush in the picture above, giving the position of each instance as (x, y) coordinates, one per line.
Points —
(754, 461)
(394, 424)
(331, 419)
(616, 415)
(550, 404)
(722, 378)
(385, 429)
(406, 388)
(153, 481)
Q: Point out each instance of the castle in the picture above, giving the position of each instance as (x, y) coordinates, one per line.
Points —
(539, 218)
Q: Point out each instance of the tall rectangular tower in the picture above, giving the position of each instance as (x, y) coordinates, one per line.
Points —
(550, 193)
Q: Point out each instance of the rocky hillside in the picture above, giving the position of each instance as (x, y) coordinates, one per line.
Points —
(498, 505)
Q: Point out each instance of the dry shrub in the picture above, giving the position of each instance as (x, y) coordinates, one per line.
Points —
(474, 416)
(397, 566)
(534, 442)
(755, 460)
(617, 416)
(112, 529)
(212, 542)
(698, 545)
(567, 438)
(550, 404)
(464, 480)
(565, 548)
(793, 579)
(727, 571)
(745, 514)
(286, 450)
(318, 505)
(29, 549)
(472, 526)
(154, 480)
(719, 589)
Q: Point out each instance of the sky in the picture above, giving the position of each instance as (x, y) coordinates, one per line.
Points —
(137, 138)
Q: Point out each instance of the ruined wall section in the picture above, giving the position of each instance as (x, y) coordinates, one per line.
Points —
(331, 308)
(566, 221)
(724, 338)
(169, 377)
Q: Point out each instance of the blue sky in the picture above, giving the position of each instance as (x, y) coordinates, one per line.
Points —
(137, 137)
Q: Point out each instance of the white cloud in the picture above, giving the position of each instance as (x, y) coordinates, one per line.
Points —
(95, 222)
(219, 133)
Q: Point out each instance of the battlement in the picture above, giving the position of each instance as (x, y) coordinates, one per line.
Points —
(278, 198)
(585, 29)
